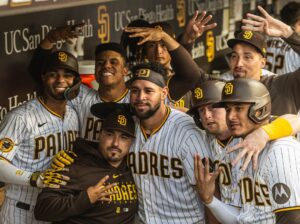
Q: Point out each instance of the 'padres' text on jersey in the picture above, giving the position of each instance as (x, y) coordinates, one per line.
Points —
(163, 169)
(30, 136)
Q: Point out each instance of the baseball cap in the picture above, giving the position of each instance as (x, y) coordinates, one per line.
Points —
(111, 47)
(150, 71)
(61, 59)
(254, 39)
(115, 116)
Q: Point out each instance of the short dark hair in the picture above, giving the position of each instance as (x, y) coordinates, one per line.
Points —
(111, 47)
(290, 13)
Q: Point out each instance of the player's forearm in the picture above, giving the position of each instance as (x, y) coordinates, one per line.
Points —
(170, 42)
(55, 205)
(225, 214)
(294, 41)
(13, 175)
(187, 73)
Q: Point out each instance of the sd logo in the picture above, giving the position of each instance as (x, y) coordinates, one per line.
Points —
(122, 120)
(104, 24)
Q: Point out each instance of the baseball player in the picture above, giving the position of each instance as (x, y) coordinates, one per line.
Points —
(85, 199)
(248, 58)
(32, 134)
(158, 45)
(281, 58)
(219, 137)
(111, 68)
(161, 158)
(273, 186)
(110, 71)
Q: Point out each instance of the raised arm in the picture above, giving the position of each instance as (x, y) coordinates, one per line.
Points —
(273, 27)
(187, 72)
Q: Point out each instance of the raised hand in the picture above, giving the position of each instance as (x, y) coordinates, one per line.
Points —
(100, 192)
(196, 26)
(266, 24)
(205, 180)
(250, 147)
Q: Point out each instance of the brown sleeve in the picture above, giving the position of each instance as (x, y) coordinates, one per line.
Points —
(55, 205)
(288, 217)
(187, 73)
(294, 42)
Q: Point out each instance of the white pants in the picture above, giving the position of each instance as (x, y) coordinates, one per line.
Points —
(10, 214)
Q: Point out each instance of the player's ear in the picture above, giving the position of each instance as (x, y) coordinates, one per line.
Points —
(263, 62)
(164, 91)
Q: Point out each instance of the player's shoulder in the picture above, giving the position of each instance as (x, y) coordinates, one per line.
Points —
(286, 144)
(23, 111)
(182, 122)
(26, 108)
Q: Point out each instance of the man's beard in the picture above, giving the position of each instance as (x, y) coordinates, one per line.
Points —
(149, 113)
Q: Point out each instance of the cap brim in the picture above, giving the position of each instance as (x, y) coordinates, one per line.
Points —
(118, 129)
(203, 103)
(222, 104)
(69, 68)
(102, 110)
(233, 42)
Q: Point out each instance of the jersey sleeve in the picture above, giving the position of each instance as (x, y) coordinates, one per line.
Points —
(12, 131)
(194, 144)
(283, 172)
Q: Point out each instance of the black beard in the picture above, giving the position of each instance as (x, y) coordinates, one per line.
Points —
(147, 115)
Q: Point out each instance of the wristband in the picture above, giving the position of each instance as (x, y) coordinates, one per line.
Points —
(279, 128)
(33, 178)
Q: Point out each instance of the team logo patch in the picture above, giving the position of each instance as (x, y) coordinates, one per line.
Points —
(248, 35)
(6, 145)
(198, 93)
(122, 120)
(281, 193)
(228, 88)
(143, 72)
(62, 56)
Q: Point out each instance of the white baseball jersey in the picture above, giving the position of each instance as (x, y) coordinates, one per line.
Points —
(30, 136)
(277, 181)
(89, 124)
(229, 176)
(281, 58)
(227, 76)
(162, 166)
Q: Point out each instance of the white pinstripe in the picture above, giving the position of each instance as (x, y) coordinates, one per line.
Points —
(166, 198)
(280, 53)
(32, 126)
(229, 176)
(89, 124)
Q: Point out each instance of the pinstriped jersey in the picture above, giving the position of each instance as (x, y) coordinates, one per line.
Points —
(277, 181)
(279, 168)
(229, 176)
(89, 124)
(162, 165)
(30, 136)
(281, 58)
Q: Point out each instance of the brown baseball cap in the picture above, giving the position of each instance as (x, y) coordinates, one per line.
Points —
(151, 71)
(61, 59)
(115, 116)
(254, 39)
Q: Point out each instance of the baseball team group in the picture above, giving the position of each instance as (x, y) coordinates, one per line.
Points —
(160, 141)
